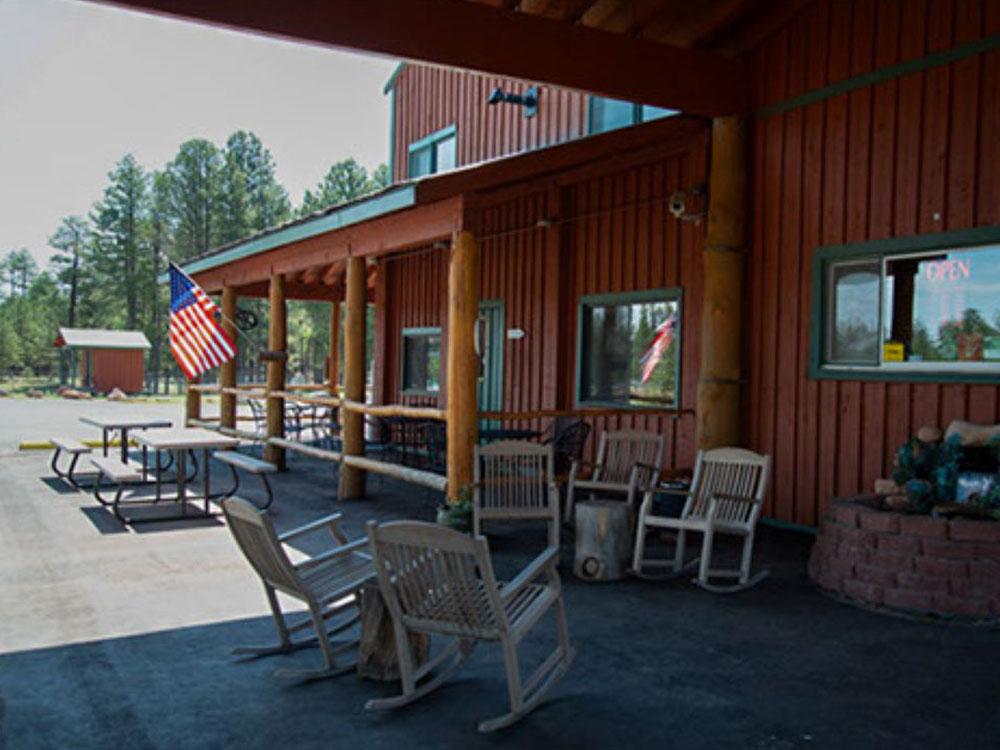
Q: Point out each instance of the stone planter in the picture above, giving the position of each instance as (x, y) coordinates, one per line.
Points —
(914, 564)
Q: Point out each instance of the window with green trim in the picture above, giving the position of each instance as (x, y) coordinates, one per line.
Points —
(920, 310)
(629, 349)
(434, 153)
(421, 361)
(611, 114)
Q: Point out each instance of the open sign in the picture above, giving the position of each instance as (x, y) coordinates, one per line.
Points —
(947, 270)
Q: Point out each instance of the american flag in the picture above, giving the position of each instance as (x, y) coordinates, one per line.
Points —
(197, 341)
(661, 342)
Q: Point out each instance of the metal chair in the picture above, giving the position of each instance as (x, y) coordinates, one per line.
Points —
(328, 583)
(726, 497)
(439, 581)
(514, 480)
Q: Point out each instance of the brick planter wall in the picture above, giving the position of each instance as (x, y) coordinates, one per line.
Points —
(916, 564)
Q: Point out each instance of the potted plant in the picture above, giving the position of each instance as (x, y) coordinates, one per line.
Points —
(457, 515)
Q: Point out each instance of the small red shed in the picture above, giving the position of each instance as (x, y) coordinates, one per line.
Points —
(111, 359)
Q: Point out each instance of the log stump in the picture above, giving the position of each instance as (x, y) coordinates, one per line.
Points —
(603, 540)
(377, 648)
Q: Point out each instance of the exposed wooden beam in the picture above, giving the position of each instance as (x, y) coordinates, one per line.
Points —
(463, 34)
(277, 341)
(334, 274)
(699, 22)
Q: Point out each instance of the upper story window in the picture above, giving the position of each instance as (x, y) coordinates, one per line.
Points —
(915, 312)
(433, 153)
(611, 114)
(629, 352)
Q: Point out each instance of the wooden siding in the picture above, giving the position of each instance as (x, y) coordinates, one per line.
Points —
(428, 99)
(914, 155)
(606, 231)
(117, 368)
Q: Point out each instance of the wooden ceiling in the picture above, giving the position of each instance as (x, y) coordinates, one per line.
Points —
(728, 26)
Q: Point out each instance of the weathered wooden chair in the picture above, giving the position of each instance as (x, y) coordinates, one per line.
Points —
(617, 455)
(515, 480)
(726, 496)
(327, 583)
(439, 581)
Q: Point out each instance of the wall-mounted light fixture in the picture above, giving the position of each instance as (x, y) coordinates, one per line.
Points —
(528, 100)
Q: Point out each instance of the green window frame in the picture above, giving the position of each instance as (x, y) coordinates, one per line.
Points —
(427, 382)
(437, 152)
(629, 113)
(671, 296)
(881, 257)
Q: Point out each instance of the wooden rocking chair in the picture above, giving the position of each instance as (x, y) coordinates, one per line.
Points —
(726, 496)
(327, 583)
(515, 479)
(439, 581)
(617, 455)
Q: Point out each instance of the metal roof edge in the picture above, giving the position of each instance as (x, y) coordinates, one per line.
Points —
(391, 83)
(383, 203)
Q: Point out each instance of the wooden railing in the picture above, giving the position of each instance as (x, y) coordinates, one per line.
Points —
(584, 413)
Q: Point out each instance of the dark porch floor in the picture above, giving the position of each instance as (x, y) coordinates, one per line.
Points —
(661, 664)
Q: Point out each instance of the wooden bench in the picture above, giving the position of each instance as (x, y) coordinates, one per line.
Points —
(74, 448)
(240, 461)
(112, 469)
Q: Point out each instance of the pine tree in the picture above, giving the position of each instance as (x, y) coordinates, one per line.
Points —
(195, 188)
(116, 251)
(345, 181)
(70, 239)
(266, 202)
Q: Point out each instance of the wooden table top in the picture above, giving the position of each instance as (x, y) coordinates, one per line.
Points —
(133, 422)
(185, 437)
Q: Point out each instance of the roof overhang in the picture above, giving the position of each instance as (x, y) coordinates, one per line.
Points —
(475, 36)
(97, 338)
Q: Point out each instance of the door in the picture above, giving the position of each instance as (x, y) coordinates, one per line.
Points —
(491, 333)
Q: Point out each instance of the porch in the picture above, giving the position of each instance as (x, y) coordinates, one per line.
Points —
(144, 661)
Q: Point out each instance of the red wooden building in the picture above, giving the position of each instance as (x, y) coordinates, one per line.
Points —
(842, 289)
(107, 359)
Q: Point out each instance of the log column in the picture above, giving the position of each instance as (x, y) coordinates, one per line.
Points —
(333, 369)
(277, 338)
(463, 365)
(352, 479)
(227, 373)
(719, 381)
(192, 402)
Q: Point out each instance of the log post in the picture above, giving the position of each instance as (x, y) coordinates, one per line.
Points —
(333, 369)
(192, 402)
(277, 338)
(227, 373)
(352, 479)
(463, 362)
(718, 406)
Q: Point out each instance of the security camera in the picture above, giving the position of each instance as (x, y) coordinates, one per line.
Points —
(677, 204)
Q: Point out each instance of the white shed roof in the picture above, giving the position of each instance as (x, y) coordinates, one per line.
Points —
(96, 338)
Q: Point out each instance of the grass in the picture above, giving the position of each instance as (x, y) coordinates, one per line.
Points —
(20, 386)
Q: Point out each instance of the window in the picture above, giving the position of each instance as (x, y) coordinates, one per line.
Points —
(611, 114)
(421, 360)
(909, 311)
(433, 154)
(630, 349)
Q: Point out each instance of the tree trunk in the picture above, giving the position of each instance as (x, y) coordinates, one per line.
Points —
(377, 658)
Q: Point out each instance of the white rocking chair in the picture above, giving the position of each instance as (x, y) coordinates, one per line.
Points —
(327, 583)
(726, 496)
(515, 479)
(617, 455)
(439, 581)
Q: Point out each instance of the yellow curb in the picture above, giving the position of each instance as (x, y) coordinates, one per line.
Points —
(46, 445)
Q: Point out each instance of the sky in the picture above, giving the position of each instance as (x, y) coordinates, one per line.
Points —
(81, 85)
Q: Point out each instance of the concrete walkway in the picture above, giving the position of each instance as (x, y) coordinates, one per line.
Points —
(111, 638)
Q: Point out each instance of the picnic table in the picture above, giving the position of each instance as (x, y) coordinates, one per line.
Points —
(180, 442)
(123, 424)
